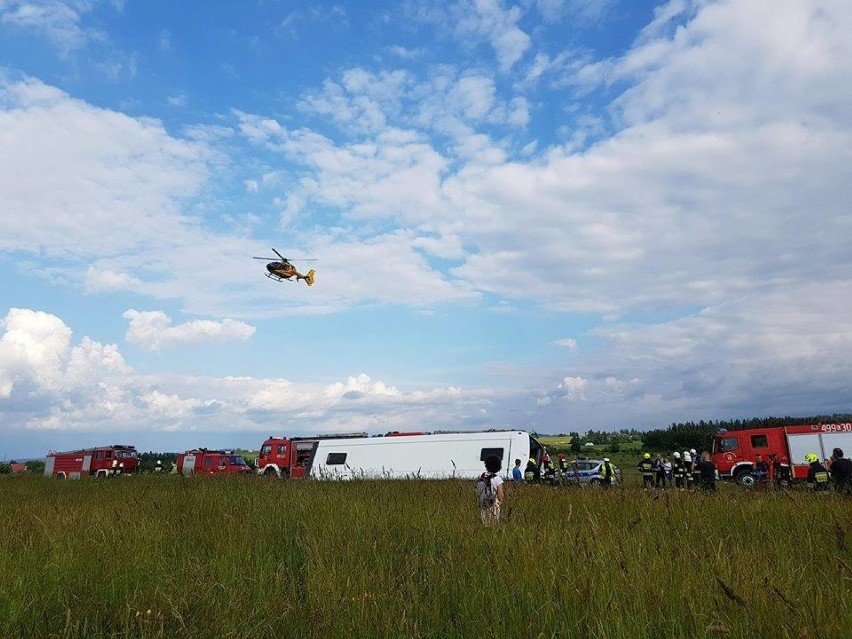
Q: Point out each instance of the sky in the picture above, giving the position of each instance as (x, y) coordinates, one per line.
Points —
(551, 215)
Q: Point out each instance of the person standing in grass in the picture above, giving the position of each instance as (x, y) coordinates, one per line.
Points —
(489, 491)
(817, 474)
(532, 475)
(678, 471)
(706, 472)
(646, 467)
(517, 473)
(841, 472)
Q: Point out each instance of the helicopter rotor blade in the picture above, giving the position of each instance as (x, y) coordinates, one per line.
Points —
(265, 258)
(279, 255)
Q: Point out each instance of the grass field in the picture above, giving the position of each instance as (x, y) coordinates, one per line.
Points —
(164, 556)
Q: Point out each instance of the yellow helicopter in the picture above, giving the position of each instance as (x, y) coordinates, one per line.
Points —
(283, 270)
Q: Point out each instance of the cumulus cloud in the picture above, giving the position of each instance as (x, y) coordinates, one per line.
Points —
(567, 342)
(153, 330)
(48, 384)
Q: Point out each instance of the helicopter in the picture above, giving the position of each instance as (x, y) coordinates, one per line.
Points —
(283, 270)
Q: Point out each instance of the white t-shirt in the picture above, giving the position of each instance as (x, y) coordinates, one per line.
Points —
(496, 482)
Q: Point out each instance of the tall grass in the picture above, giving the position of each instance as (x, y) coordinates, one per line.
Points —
(164, 556)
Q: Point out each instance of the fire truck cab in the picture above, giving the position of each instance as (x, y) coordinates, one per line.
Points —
(734, 451)
(211, 462)
(104, 461)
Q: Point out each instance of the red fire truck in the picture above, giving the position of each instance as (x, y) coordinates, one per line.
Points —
(211, 462)
(91, 462)
(734, 451)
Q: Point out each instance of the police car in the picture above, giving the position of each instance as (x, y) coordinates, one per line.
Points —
(588, 471)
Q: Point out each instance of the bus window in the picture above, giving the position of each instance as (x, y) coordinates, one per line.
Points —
(334, 459)
(485, 453)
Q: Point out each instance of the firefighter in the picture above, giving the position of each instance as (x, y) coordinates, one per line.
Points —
(607, 473)
(646, 467)
(687, 468)
(817, 474)
(158, 467)
(679, 471)
(779, 471)
(549, 476)
(532, 475)
(696, 471)
(563, 462)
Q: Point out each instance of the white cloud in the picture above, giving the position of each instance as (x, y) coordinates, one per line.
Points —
(153, 330)
(59, 20)
(487, 19)
(567, 342)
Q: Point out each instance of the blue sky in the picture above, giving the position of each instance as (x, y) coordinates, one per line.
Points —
(543, 214)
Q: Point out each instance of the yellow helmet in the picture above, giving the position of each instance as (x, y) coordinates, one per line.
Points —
(532, 460)
(811, 458)
(646, 456)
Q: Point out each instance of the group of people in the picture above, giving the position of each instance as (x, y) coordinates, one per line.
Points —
(683, 471)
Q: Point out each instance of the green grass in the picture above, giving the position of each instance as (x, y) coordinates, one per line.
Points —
(164, 556)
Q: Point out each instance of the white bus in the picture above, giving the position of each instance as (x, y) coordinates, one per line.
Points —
(397, 455)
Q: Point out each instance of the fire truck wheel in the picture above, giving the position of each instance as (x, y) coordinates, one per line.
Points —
(60, 476)
(744, 478)
(270, 472)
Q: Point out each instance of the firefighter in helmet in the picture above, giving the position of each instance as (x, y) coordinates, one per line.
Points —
(532, 475)
(607, 473)
(646, 467)
(679, 471)
(817, 474)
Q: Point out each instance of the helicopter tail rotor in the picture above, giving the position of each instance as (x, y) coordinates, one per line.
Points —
(309, 277)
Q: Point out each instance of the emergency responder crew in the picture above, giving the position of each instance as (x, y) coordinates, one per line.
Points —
(678, 471)
(687, 468)
(549, 476)
(779, 471)
(532, 475)
(841, 472)
(817, 474)
(696, 471)
(607, 473)
(646, 467)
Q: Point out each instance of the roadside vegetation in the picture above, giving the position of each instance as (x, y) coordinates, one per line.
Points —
(166, 556)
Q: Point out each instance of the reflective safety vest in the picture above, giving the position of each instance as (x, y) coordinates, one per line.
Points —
(529, 475)
(646, 467)
(604, 471)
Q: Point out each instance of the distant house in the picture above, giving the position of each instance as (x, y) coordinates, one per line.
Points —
(17, 467)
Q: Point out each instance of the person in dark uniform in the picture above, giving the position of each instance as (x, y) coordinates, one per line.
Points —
(706, 472)
(678, 471)
(532, 475)
(841, 472)
(646, 467)
(817, 474)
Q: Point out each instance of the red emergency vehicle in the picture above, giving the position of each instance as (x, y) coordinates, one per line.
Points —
(211, 462)
(734, 451)
(91, 462)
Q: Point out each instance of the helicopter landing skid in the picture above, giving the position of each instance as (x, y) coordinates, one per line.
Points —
(277, 278)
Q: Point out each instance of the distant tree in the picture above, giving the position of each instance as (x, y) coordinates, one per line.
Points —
(615, 447)
(5, 468)
(35, 466)
(576, 444)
